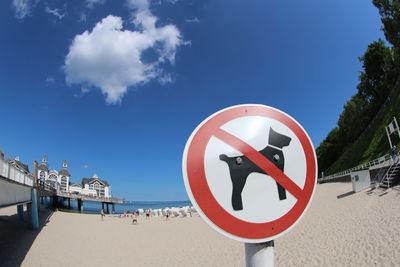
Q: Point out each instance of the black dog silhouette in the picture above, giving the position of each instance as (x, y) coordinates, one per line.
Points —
(240, 167)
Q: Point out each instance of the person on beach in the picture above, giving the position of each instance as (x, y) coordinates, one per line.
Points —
(102, 214)
(392, 153)
(134, 218)
(167, 215)
(148, 214)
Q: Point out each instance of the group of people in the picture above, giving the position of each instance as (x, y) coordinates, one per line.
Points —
(135, 215)
(148, 213)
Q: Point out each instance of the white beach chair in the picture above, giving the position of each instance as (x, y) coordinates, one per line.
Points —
(175, 212)
(141, 212)
(159, 212)
(183, 212)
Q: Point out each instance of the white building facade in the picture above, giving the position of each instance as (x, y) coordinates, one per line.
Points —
(56, 179)
(75, 188)
(60, 180)
(96, 186)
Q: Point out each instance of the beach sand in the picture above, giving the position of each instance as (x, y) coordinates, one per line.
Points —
(339, 229)
(345, 229)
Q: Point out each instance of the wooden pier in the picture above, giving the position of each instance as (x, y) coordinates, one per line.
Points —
(105, 201)
(19, 187)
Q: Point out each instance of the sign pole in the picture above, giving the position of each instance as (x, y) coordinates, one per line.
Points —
(397, 126)
(388, 135)
(259, 254)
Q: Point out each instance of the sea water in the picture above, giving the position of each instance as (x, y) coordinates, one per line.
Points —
(130, 206)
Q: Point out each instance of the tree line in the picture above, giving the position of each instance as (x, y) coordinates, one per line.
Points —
(380, 71)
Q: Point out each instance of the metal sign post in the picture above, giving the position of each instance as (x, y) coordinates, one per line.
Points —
(259, 254)
(388, 136)
(397, 126)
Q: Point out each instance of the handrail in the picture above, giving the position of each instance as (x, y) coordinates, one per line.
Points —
(378, 161)
(378, 177)
(42, 185)
(394, 163)
(95, 198)
(386, 174)
(12, 173)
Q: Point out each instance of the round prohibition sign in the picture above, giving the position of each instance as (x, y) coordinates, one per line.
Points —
(198, 189)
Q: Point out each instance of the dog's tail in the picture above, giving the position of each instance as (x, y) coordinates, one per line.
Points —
(223, 157)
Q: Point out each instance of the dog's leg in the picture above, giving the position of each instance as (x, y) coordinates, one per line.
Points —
(281, 192)
(238, 178)
(238, 182)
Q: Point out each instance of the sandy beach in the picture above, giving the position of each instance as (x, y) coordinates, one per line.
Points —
(339, 229)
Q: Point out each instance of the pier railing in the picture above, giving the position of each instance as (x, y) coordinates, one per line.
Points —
(42, 185)
(12, 173)
(376, 163)
(92, 198)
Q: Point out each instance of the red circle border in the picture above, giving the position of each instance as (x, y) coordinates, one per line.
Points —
(205, 199)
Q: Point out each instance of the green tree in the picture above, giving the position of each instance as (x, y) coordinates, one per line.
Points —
(327, 152)
(390, 17)
(381, 69)
(356, 115)
(377, 79)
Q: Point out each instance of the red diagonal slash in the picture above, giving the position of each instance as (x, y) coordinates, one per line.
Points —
(257, 158)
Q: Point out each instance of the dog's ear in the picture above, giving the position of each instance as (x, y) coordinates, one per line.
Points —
(223, 157)
(277, 139)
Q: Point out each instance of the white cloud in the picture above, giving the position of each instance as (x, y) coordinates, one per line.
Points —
(138, 4)
(82, 17)
(23, 7)
(166, 78)
(82, 92)
(91, 3)
(50, 80)
(55, 12)
(85, 167)
(111, 58)
(194, 20)
(160, 2)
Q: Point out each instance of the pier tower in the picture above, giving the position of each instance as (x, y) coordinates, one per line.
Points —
(56, 179)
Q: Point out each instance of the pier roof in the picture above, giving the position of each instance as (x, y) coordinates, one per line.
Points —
(20, 165)
(64, 172)
(75, 184)
(43, 167)
(90, 180)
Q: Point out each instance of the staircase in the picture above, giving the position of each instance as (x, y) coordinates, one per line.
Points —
(392, 176)
(375, 181)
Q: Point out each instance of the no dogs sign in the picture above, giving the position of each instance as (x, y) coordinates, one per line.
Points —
(250, 170)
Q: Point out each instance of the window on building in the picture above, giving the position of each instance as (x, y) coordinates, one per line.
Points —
(64, 183)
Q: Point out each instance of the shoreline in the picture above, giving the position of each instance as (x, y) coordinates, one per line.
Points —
(95, 207)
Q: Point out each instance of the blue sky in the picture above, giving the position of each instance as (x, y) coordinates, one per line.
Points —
(117, 87)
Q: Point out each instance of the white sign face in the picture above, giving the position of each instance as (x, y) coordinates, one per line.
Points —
(260, 198)
(250, 170)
